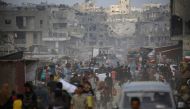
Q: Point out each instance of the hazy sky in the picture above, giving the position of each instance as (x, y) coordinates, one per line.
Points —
(104, 3)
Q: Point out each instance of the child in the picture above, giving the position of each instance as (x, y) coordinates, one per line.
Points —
(18, 102)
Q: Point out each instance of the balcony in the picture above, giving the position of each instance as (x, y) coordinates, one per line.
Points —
(25, 22)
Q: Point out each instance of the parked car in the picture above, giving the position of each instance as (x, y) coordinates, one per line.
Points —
(153, 95)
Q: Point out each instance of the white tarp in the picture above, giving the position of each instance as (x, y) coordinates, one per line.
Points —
(31, 71)
(67, 86)
(95, 52)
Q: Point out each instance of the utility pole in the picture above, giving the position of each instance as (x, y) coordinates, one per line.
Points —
(92, 51)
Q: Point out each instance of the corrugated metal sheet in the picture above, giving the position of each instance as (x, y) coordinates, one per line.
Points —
(12, 72)
(17, 72)
(20, 75)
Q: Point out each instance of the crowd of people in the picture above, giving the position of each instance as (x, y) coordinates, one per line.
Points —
(90, 92)
(55, 99)
(13, 100)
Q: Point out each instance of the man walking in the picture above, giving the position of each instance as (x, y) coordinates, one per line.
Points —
(79, 100)
(30, 98)
(135, 103)
(109, 83)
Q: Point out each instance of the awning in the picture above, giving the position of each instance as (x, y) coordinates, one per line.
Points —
(172, 53)
(13, 56)
(165, 48)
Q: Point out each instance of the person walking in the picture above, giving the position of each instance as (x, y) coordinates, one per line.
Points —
(89, 93)
(79, 100)
(30, 98)
(135, 103)
(93, 80)
(75, 79)
(12, 98)
(51, 84)
(109, 84)
(5, 102)
(18, 103)
(113, 75)
(61, 98)
(42, 94)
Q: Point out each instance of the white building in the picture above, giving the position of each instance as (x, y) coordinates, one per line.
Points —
(153, 27)
(22, 28)
(123, 7)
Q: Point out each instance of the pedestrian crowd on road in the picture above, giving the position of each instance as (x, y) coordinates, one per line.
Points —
(49, 93)
(52, 95)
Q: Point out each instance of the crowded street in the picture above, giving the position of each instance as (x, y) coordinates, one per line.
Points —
(94, 54)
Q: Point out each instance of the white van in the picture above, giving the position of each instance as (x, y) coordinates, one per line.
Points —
(153, 95)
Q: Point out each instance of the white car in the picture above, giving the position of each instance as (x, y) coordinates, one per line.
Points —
(153, 95)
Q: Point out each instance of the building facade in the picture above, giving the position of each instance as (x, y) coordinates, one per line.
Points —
(153, 27)
(61, 25)
(97, 32)
(180, 24)
(38, 29)
(22, 28)
(123, 7)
